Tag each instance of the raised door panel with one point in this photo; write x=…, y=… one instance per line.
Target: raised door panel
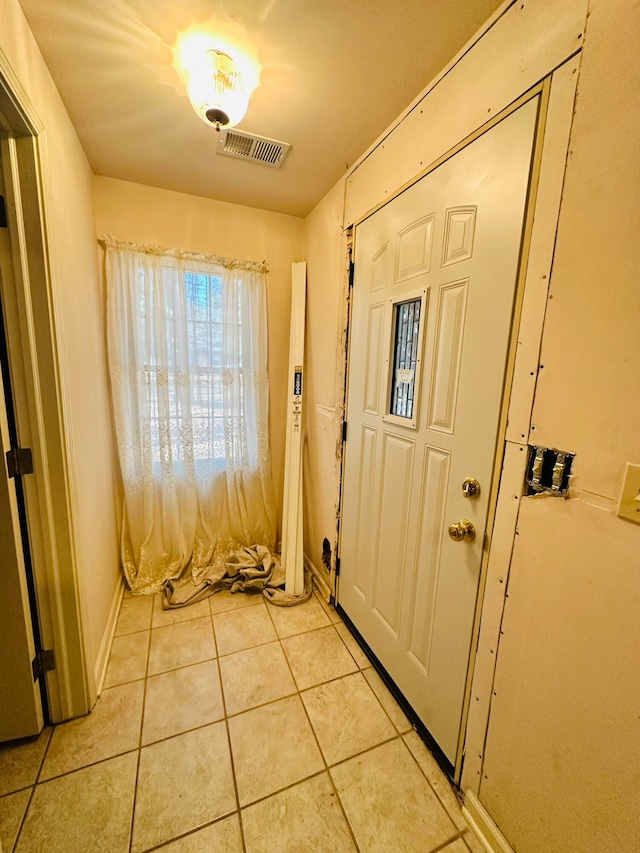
x=380, y=269
x=413, y=253
x=433, y=499
x=391, y=522
x=374, y=359
x=362, y=579
x=458, y=235
x=448, y=353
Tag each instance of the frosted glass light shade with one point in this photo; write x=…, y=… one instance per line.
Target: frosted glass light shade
x=216, y=90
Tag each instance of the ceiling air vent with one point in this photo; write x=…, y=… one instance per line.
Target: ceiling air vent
x=248, y=146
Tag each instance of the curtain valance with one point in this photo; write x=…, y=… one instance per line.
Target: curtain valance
x=180, y=254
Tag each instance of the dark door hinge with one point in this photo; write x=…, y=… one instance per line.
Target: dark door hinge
x=3, y=213
x=337, y=566
x=352, y=273
x=19, y=461
x=344, y=430
x=44, y=661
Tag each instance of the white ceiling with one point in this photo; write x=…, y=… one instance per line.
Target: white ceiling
x=335, y=73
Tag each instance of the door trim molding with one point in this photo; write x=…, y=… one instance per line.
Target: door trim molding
x=527, y=96
x=104, y=652
x=317, y=578
x=42, y=404
x=508, y=388
x=483, y=826
x=520, y=385
x=507, y=57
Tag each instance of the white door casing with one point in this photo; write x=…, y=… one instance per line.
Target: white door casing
x=20, y=702
x=31, y=293
x=452, y=240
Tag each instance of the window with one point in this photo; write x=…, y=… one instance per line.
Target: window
x=187, y=344
x=187, y=375
x=405, y=357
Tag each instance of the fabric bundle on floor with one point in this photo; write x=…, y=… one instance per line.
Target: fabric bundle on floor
x=253, y=568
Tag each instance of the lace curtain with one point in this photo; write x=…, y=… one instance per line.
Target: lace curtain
x=187, y=343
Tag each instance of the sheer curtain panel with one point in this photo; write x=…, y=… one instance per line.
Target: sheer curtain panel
x=187, y=343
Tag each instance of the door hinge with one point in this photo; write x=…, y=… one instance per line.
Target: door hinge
x=352, y=273
x=19, y=461
x=3, y=213
x=337, y=566
x=44, y=661
x=344, y=431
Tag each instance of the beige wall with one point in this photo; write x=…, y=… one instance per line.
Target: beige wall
x=143, y=214
x=562, y=765
x=79, y=330
x=563, y=754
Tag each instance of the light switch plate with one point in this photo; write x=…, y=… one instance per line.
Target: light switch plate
x=629, y=506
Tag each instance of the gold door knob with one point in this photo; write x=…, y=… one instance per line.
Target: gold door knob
x=462, y=530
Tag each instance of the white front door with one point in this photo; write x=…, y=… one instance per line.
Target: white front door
x=433, y=298
x=20, y=701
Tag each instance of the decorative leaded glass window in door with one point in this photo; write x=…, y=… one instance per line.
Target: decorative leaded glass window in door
x=405, y=358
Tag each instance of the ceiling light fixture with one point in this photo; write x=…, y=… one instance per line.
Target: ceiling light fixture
x=216, y=89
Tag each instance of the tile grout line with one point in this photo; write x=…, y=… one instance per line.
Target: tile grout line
x=74, y=770
x=329, y=680
x=226, y=725
x=190, y=663
x=173, y=669
x=402, y=735
x=326, y=607
x=260, y=599
x=429, y=783
x=322, y=756
x=466, y=843
x=288, y=787
x=247, y=648
x=364, y=751
x=188, y=833
x=380, y=702
x=33, y=791
x=176, y=624
x=87, y=766
x=204, y=726
x=443, y=846
x=143, y=597
x=399, y=735
x=107, y=686
x=139, y=749
x=295, y=692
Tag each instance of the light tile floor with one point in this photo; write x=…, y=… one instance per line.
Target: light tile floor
x=231, y=725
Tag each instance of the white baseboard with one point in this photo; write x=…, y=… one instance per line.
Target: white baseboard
x=107, y=638
x=483, y=826
x=318, y=578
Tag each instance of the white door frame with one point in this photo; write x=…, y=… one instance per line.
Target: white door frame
x=30, y=299
x=518, y=431
x=552, y=142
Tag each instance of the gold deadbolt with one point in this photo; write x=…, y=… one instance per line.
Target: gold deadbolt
x=471, y=488
x=462, y=530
